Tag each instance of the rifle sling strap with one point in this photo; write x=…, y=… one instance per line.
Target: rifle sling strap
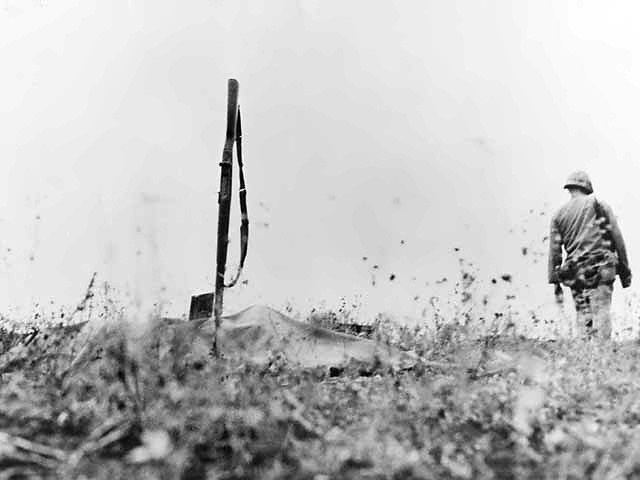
x=244, y=224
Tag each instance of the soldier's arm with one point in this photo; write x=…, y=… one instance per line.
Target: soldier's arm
x=555, y=252
x=620, y=248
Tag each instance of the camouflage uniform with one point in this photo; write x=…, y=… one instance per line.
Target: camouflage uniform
x=595, y=253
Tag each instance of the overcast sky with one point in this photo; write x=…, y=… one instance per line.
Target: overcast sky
x=394, y=132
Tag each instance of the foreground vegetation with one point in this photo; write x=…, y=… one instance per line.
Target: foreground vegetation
x=493, y=407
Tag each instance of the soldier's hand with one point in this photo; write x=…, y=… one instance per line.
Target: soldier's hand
x=626, y=281
x=558, y=293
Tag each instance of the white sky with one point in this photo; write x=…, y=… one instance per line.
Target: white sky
x=440, y=123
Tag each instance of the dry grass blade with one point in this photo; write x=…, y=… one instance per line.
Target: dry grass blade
x=87, y=297
x=106, y=434
x=296, y=416
x=436, y=364
x=21, y=450
x=112, y=437
x=496, y=371
x=107, y=427
x=19, y=472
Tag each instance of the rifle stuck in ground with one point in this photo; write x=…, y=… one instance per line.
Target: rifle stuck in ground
x=233, y=137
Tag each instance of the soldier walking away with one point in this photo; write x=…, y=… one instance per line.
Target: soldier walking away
x=594, y=253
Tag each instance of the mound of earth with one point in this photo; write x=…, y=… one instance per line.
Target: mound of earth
x=257, y=334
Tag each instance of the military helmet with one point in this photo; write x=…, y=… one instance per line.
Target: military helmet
x=579, y=179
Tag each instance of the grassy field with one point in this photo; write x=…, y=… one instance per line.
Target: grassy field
x=492, y=407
